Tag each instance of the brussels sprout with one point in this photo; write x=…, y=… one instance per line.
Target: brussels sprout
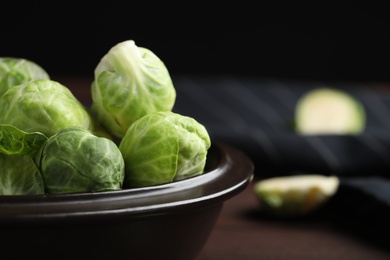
x=329, y=111
x=44, y=106
x=19, y=175
x=296, y=195
x=74, y=160
x=162, y=147
x=16, y=71
x=130, y=82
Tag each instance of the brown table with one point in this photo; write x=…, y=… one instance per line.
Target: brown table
x=242, y=234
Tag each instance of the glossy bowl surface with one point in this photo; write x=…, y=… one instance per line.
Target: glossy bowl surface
x=170, y=221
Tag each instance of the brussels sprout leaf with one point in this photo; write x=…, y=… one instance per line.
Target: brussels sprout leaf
x=16, y=141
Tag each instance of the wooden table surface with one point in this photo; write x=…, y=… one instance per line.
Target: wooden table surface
x=241, y=233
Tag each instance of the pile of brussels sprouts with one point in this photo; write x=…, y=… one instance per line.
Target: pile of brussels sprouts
x=50, y=143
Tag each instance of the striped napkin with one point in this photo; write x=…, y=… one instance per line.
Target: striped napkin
x=256, y=115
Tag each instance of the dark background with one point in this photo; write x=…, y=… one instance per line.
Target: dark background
x=323, y=40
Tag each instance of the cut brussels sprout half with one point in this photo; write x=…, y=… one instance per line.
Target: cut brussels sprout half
x=162, y=147
x=329, y=111
x=295, y=195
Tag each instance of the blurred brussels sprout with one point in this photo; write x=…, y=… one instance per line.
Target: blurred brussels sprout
x=19, y=175
x=44, y=106
x=327, y=110
x=162, y=147
x=74, y=160
x=16, y=71
x=130, y=82
x=296, y=195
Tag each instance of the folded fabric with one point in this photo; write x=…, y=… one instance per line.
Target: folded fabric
x=256, y=115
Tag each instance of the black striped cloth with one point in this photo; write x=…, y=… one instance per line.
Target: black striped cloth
x=256, y=115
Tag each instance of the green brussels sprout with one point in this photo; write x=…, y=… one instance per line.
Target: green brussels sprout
x=130, y=82
x=296, y=195
x=16, y=71
x=44, y=106
x=329, y=111
x=74, y=160
x=162, y=147
x=19, y=175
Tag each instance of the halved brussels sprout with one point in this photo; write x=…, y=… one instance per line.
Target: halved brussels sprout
x=296, y=195
x=44, y=106
x=329, y=111
x=74, y=160
x=130, y=82
x=162, y=147
x=15, y=71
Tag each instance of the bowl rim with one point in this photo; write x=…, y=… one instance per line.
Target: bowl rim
x=231, y=174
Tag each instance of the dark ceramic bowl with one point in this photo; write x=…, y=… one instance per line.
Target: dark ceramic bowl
x=170, y=221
